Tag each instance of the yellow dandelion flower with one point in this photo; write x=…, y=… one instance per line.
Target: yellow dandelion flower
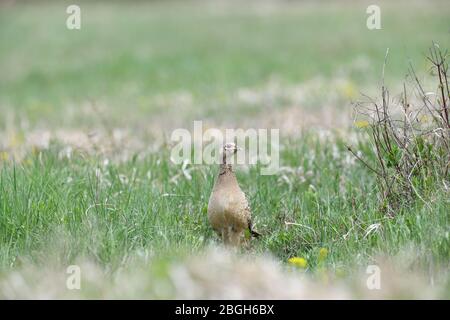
x=298, y=262
x=35, y=150
x=348, y=90
x=4, y=156
x=27, y=162
x=323, y=253
x=424, y=118
x=361, y=123
x=16, y=140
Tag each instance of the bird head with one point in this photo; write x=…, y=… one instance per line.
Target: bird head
x=230, y=148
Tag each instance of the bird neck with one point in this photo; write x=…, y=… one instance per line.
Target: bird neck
x=225, y=166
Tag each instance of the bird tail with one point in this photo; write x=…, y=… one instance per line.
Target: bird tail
x=254, y=233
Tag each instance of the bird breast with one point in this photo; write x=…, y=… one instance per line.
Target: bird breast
x=226, y=208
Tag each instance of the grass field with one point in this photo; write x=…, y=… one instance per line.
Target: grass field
x=85, y=175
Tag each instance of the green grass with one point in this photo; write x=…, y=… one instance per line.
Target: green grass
x=108, y=212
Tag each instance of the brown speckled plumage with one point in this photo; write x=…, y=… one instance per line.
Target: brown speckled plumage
x=228, y=209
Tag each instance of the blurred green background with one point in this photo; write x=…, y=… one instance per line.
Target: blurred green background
x=127, y=53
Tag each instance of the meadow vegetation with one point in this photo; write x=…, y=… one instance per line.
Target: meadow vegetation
x=85, y=170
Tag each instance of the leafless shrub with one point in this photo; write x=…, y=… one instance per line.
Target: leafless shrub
x=410, y=135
